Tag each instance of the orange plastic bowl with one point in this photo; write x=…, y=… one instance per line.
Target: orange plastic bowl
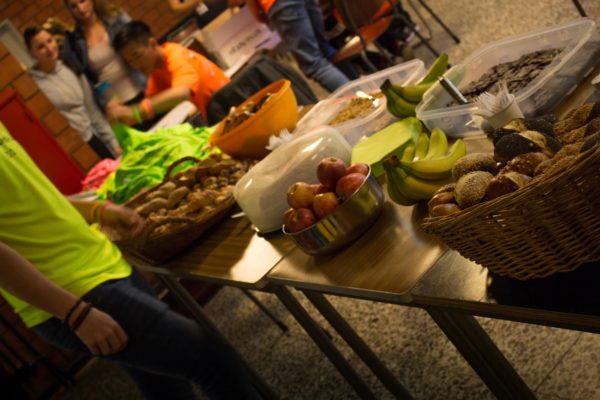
x=248, y=140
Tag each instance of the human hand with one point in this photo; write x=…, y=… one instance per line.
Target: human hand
x=124, y=220
x=117, y=112
x=101, y=334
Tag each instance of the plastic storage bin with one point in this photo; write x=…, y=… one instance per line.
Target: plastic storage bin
x=354, y=129
x=580, y=42
x=262, y=192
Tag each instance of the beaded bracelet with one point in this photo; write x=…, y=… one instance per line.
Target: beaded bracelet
x=94, y=211
x=71, y=310
x=146, y=105
x=81, y=317
x=136, y=114
x=102, y=208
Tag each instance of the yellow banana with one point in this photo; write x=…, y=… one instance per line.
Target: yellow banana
x=436, y=168
x=409, y=153
x=422, y=146
x=405, y=187
x=396, y=105
x=438, y=144
x=436, y=70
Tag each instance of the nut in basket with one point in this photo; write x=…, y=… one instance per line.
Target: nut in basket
x=182, y=207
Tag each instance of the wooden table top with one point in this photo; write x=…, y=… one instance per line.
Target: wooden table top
x=384, y=263
x=232, y=254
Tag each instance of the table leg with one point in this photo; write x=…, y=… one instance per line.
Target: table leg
x=265, y=310
x=481, y=353
x=320, y=338
x=198, y=314
x=357, y=344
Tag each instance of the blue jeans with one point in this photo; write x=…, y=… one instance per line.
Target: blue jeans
x=300, y=26
x=166, y=352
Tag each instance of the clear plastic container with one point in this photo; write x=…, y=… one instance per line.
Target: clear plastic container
x=262, y=192
x=354, y=129
x=580, y=42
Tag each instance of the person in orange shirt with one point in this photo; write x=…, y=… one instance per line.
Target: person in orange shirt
x=175, y=73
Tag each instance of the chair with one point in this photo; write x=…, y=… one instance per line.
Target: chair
x=363, y=21
x=369, y=20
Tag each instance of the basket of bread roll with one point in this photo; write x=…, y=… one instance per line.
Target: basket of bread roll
x=531, y=208
x=183, y=207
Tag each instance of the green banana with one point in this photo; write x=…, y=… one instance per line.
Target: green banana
x=396, y=105
x=436, y=168
x=405, y=187
x=422, y=146
x=438, y=144
x=436, y=70
x=412, y=93
x=394, y=186
x=409, y=153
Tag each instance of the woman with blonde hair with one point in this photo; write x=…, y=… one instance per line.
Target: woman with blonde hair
x=88, y=49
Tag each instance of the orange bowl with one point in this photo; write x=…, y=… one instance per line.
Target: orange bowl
x=248, y=139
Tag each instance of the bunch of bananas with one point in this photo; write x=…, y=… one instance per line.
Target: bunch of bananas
x=402, y=100
x=422, y=168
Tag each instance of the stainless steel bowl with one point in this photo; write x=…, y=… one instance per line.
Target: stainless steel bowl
x=350, y=220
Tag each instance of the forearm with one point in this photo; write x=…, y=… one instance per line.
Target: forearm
x=84, y=207
x=21, y=279
x=166, y=100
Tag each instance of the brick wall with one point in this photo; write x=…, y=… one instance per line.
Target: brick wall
x=25, y=12
x=13, y=76
x=155, y=13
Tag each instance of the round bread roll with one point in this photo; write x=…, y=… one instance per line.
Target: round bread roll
x=474, y=162
x=525, y=163
x=440, y=198
x=442, y=210
x=506, y=183
x=471, y=188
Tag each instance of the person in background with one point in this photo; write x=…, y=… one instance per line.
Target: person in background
x=71, y=285
x=204, y=11
x=88, y=49
x=175, y=73
x=300, y=26
x=70, y=94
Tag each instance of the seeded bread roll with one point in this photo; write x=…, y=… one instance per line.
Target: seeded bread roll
x=525, y=163
x=471, y=188
x=474, y=162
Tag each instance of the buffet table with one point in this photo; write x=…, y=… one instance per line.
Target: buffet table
x=393, y=262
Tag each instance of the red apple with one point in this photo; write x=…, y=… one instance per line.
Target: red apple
x=300, y=219
x=287, y=215
x=361, y=168
x=300, y=195
x=329, y=170
x=348, y=184
x=319, y=188
x=324, y=204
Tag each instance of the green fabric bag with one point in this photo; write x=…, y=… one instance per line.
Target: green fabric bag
x=147, y=156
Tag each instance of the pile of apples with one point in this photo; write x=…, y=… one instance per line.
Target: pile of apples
x=311, y=202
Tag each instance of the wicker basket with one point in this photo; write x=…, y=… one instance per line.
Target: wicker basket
x=156, y=248
x=549, y=226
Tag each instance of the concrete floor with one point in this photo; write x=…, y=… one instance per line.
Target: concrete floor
x=556, y=364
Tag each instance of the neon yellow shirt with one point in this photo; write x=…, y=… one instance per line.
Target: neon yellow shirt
x=39, y=223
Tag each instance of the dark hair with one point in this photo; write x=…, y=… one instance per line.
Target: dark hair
x=31, y=32
x=134, y=31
